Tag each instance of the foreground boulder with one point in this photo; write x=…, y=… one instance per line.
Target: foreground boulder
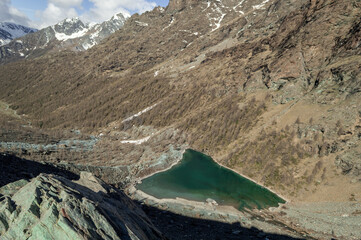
x=53, y=207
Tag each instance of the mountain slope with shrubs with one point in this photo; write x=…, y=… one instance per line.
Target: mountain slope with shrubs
x=268, y=88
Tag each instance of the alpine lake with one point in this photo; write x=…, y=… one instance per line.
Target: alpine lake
x=198, y=177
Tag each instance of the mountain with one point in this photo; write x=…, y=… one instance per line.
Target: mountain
x=71, y=34
x=270, y=89
x=10, y=31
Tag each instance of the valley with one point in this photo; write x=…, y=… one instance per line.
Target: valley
x=268, y=89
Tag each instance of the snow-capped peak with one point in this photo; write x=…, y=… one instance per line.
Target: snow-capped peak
x=70, y=28
x=10, y=31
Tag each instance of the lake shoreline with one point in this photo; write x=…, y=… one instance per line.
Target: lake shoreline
x=139, y=180
x=254, y=181
x=200, y=169
x=190, y=208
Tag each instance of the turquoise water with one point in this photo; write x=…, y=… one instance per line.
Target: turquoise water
x=197, y=177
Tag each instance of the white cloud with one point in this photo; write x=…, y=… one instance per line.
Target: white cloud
x=67, y=3
x=55, y=13
x=58, y=10
x=104, y=9
x=10, y=14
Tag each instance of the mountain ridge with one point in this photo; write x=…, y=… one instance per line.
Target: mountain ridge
x=10, y=31
x=69, y=34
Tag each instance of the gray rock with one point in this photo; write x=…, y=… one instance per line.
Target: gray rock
x=13, y=187
x=52, y=207
x=350, y=162
x=211, y=201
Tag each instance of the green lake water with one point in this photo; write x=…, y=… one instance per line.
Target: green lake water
x=197, y=177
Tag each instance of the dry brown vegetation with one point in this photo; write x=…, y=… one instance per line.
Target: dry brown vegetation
x=283, y=52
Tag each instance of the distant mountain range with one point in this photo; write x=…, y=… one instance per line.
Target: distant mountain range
x=10, y=31
x=71, y=34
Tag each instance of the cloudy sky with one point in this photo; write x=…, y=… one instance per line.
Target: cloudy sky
x=42, y=13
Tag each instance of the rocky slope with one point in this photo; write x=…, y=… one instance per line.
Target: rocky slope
x=10, y=31
x=71, y=34
x=52, y=207
x=268, y=88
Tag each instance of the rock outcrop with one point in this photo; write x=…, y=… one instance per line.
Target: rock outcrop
x=350, y=162
x=53, y=207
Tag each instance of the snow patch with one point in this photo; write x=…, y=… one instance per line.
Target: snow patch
x=142, y=24
x=64, y=37
x=136, y=142
x=259, y=6
x=239, y=5
x=215, y=22
x=208, y=5
x=170, y=24
x=4, y=41
x=86, y=46
x=156, y=73
x=139, y=113
x=116, y=17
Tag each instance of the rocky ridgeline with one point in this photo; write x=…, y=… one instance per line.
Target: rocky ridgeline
x=69, y=34
x=10, y=31
x=53, y=207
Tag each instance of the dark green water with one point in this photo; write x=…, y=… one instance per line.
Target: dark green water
x=197, y=177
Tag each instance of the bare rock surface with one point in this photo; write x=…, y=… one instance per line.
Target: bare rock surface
x=52, y=207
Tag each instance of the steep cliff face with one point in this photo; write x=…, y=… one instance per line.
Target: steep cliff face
x=268, y=88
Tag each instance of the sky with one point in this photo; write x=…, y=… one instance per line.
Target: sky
x=43, y=13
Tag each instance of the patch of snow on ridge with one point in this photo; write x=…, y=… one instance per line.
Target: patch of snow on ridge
x=142, y=24
x=208, y=5
x=170, y=24
x=86, y=46
x=259, y=6
x=219, y=20
x=136, y=142
x=4, y=42
x=238, y=5
x=64, y=37
x=139, y=113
